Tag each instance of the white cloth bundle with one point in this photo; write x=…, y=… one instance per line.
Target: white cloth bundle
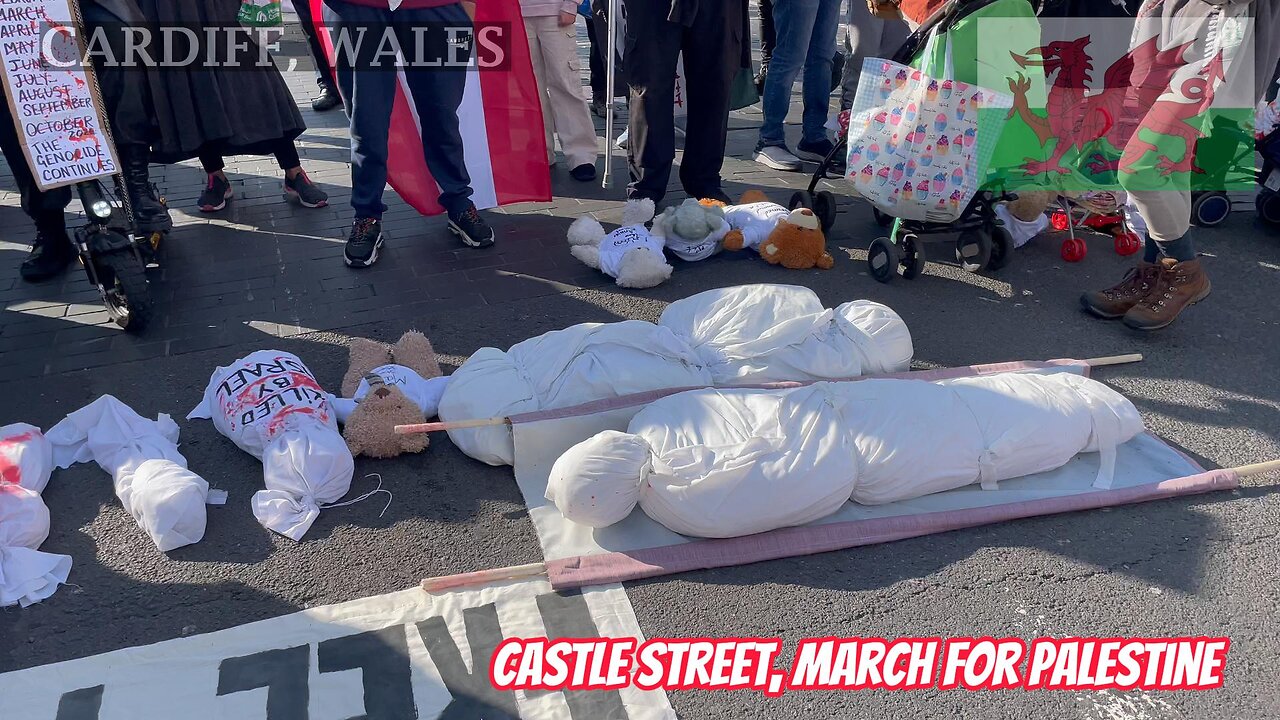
x=422, y=392
x=150, y=476
x=562, y=368
x=775, y=333
x=730, y=462
x=736, y=335
x=26, y=575
x=269, y=404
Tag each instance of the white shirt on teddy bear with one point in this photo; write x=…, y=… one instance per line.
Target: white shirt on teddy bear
x=621, y=241
x=756, y=220
x=700, y=250
x=423, y=392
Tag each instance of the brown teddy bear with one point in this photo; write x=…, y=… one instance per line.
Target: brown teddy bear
x=388, y=386
x=792, y=239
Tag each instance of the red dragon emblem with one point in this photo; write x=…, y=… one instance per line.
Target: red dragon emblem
x=1079, y=119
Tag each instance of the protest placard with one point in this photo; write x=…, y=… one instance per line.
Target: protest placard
x=50, y=95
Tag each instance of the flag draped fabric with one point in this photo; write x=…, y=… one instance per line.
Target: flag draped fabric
x=500, y=118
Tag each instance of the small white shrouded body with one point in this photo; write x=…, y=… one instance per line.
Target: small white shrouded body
x=26, y=575
x=149, y=473
x=730, y=336
x=730, y=462
x=270, y=405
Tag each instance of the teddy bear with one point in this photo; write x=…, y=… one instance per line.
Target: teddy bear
x=790, y=238
x=385, y=386
x=632, y=255
x=694, y=229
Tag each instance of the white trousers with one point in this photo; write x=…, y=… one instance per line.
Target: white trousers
x=564, y=108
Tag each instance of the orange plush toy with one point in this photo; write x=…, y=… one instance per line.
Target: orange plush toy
x=791, y=239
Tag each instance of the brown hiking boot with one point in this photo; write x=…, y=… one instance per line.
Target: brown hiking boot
x=1115, y=301
x=1178, y=285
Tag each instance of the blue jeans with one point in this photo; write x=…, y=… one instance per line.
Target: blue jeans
x=806, y=38
x=370, y=93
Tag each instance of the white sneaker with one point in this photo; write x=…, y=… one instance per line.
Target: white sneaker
x=778, y=158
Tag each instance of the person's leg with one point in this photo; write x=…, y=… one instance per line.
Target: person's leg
x=562, y=85
x=129, y=104
x=768, y=33
x=817, y=73
x=868, y=36
x=217, y=188
x=51, y=251
x=652, y=49
x=599, y=87
x=437, y=95
x=369, y=93
x=297, y=186
x=712, y=57
x=532, y=29
x=307, y=23
x=794, y=20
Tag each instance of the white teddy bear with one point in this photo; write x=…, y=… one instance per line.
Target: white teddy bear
x=631, y=254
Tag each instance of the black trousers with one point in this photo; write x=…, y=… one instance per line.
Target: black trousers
x=43, y=207
x=308, y=25
x=126, y=91
x=285, y=150
x=712, y=47
x=768, y=36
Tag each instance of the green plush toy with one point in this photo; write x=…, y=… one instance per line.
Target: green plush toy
x=693, y=230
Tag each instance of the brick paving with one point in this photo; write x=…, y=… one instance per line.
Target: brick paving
x=266, y=266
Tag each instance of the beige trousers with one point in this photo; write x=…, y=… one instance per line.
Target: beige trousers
x=564, y=109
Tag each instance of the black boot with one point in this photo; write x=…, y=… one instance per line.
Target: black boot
x=327, y=100
x=149, y=214
x=50, y=254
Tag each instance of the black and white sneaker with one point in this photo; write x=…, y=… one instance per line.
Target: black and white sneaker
x=307, y=193
x=217, y=191
x=471, y=228
x=363, y=244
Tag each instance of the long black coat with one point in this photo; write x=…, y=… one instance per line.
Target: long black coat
x=207, y=109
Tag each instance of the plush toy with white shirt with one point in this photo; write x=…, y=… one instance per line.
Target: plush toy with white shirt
x=632, y=255
x=790, y=238
x=389, y=385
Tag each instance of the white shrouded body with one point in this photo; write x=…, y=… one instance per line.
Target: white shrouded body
x=730, y=336
x=269, y=404
x=150, y=476
x=26, y=575
x=730, y=462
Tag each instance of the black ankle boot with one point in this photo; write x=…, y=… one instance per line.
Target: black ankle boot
x=50, y=253
x=149, y=214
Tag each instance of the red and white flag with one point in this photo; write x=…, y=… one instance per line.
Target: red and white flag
x=500, y=119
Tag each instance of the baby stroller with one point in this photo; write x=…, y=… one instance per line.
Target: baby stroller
x=981, y=242
x=1268, y=200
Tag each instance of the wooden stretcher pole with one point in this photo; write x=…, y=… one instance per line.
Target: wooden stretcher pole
x=1257, y=468
x=483, y=577
x=1114, y=360
x=456, y=425
x=490, y=422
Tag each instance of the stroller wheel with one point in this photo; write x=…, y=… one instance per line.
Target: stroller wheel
x=973, y=249
x=882, y=259
x=824, y=206
x=1268, y=205
x=1001, y=248
x=1210, y=209
x=913, y=257
x=802, y=199
x=882, y=219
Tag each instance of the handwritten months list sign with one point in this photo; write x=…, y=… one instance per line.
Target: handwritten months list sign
x=50, y=95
